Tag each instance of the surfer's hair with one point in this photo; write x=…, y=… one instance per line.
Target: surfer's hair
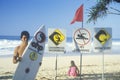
x=26, y=33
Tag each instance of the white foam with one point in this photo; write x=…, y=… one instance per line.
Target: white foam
x=7, y=46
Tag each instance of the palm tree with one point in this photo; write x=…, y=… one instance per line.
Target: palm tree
x=101, y=10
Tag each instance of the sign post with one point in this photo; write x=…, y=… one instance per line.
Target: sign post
x=56, y=43
x=102, y=42
x=82, y=40
x=56, y=68
x=103, y=66
x=80, y=65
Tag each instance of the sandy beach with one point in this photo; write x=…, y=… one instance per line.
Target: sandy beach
x=91, y=64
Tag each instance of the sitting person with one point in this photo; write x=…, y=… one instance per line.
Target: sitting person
x=20, y=49
x=73, y=70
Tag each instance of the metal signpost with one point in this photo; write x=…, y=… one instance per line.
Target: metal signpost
x=102, y=43
x=82, y=40
x=56, y=43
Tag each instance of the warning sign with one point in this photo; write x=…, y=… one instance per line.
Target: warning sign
x=82, y=36
x=82, y=40
x=57, y=37
x=102, y=36
x=56, y=40
x=102, y=39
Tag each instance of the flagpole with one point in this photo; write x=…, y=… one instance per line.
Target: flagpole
x=81, y=57
x=80, y=65
x=79, y=17
x=82, y=24
x=81, y=60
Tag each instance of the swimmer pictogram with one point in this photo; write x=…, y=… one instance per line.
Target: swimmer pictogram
x=82, y=36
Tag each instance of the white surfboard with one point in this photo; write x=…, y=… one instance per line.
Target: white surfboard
x=32, y=58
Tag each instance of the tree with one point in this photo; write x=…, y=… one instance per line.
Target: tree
x=101, y=9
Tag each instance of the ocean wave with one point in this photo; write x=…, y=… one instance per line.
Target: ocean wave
x=7, y=46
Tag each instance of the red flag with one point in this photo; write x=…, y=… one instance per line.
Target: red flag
x=78, y=15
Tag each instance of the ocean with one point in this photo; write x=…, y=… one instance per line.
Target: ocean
x=8, y=43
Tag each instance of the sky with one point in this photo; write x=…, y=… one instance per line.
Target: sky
x=19, y=15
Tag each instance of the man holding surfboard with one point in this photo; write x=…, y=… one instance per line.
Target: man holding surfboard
x=20, y=49
x=33, y=54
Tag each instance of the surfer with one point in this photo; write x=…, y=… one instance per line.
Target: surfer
x=20, y=49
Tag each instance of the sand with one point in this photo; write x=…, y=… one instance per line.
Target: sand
x=91, y=64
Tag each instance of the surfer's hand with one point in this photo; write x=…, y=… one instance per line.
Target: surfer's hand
x=15, y=60
x=19, y=59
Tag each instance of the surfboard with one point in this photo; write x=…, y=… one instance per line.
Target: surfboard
x=32, y=58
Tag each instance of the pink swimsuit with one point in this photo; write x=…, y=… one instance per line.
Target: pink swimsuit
x=72, y=71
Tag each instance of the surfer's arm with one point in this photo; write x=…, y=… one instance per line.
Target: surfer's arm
x=15, y=55
x=16, y=51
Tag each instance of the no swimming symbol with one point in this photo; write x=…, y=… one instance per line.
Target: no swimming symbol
x=82, y=36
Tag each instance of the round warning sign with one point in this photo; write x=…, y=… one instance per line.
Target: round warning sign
x=82, y=36
x=40, y=37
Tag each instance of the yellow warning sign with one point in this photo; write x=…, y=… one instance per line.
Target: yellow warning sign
x=57, y=37
x=102, y=36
